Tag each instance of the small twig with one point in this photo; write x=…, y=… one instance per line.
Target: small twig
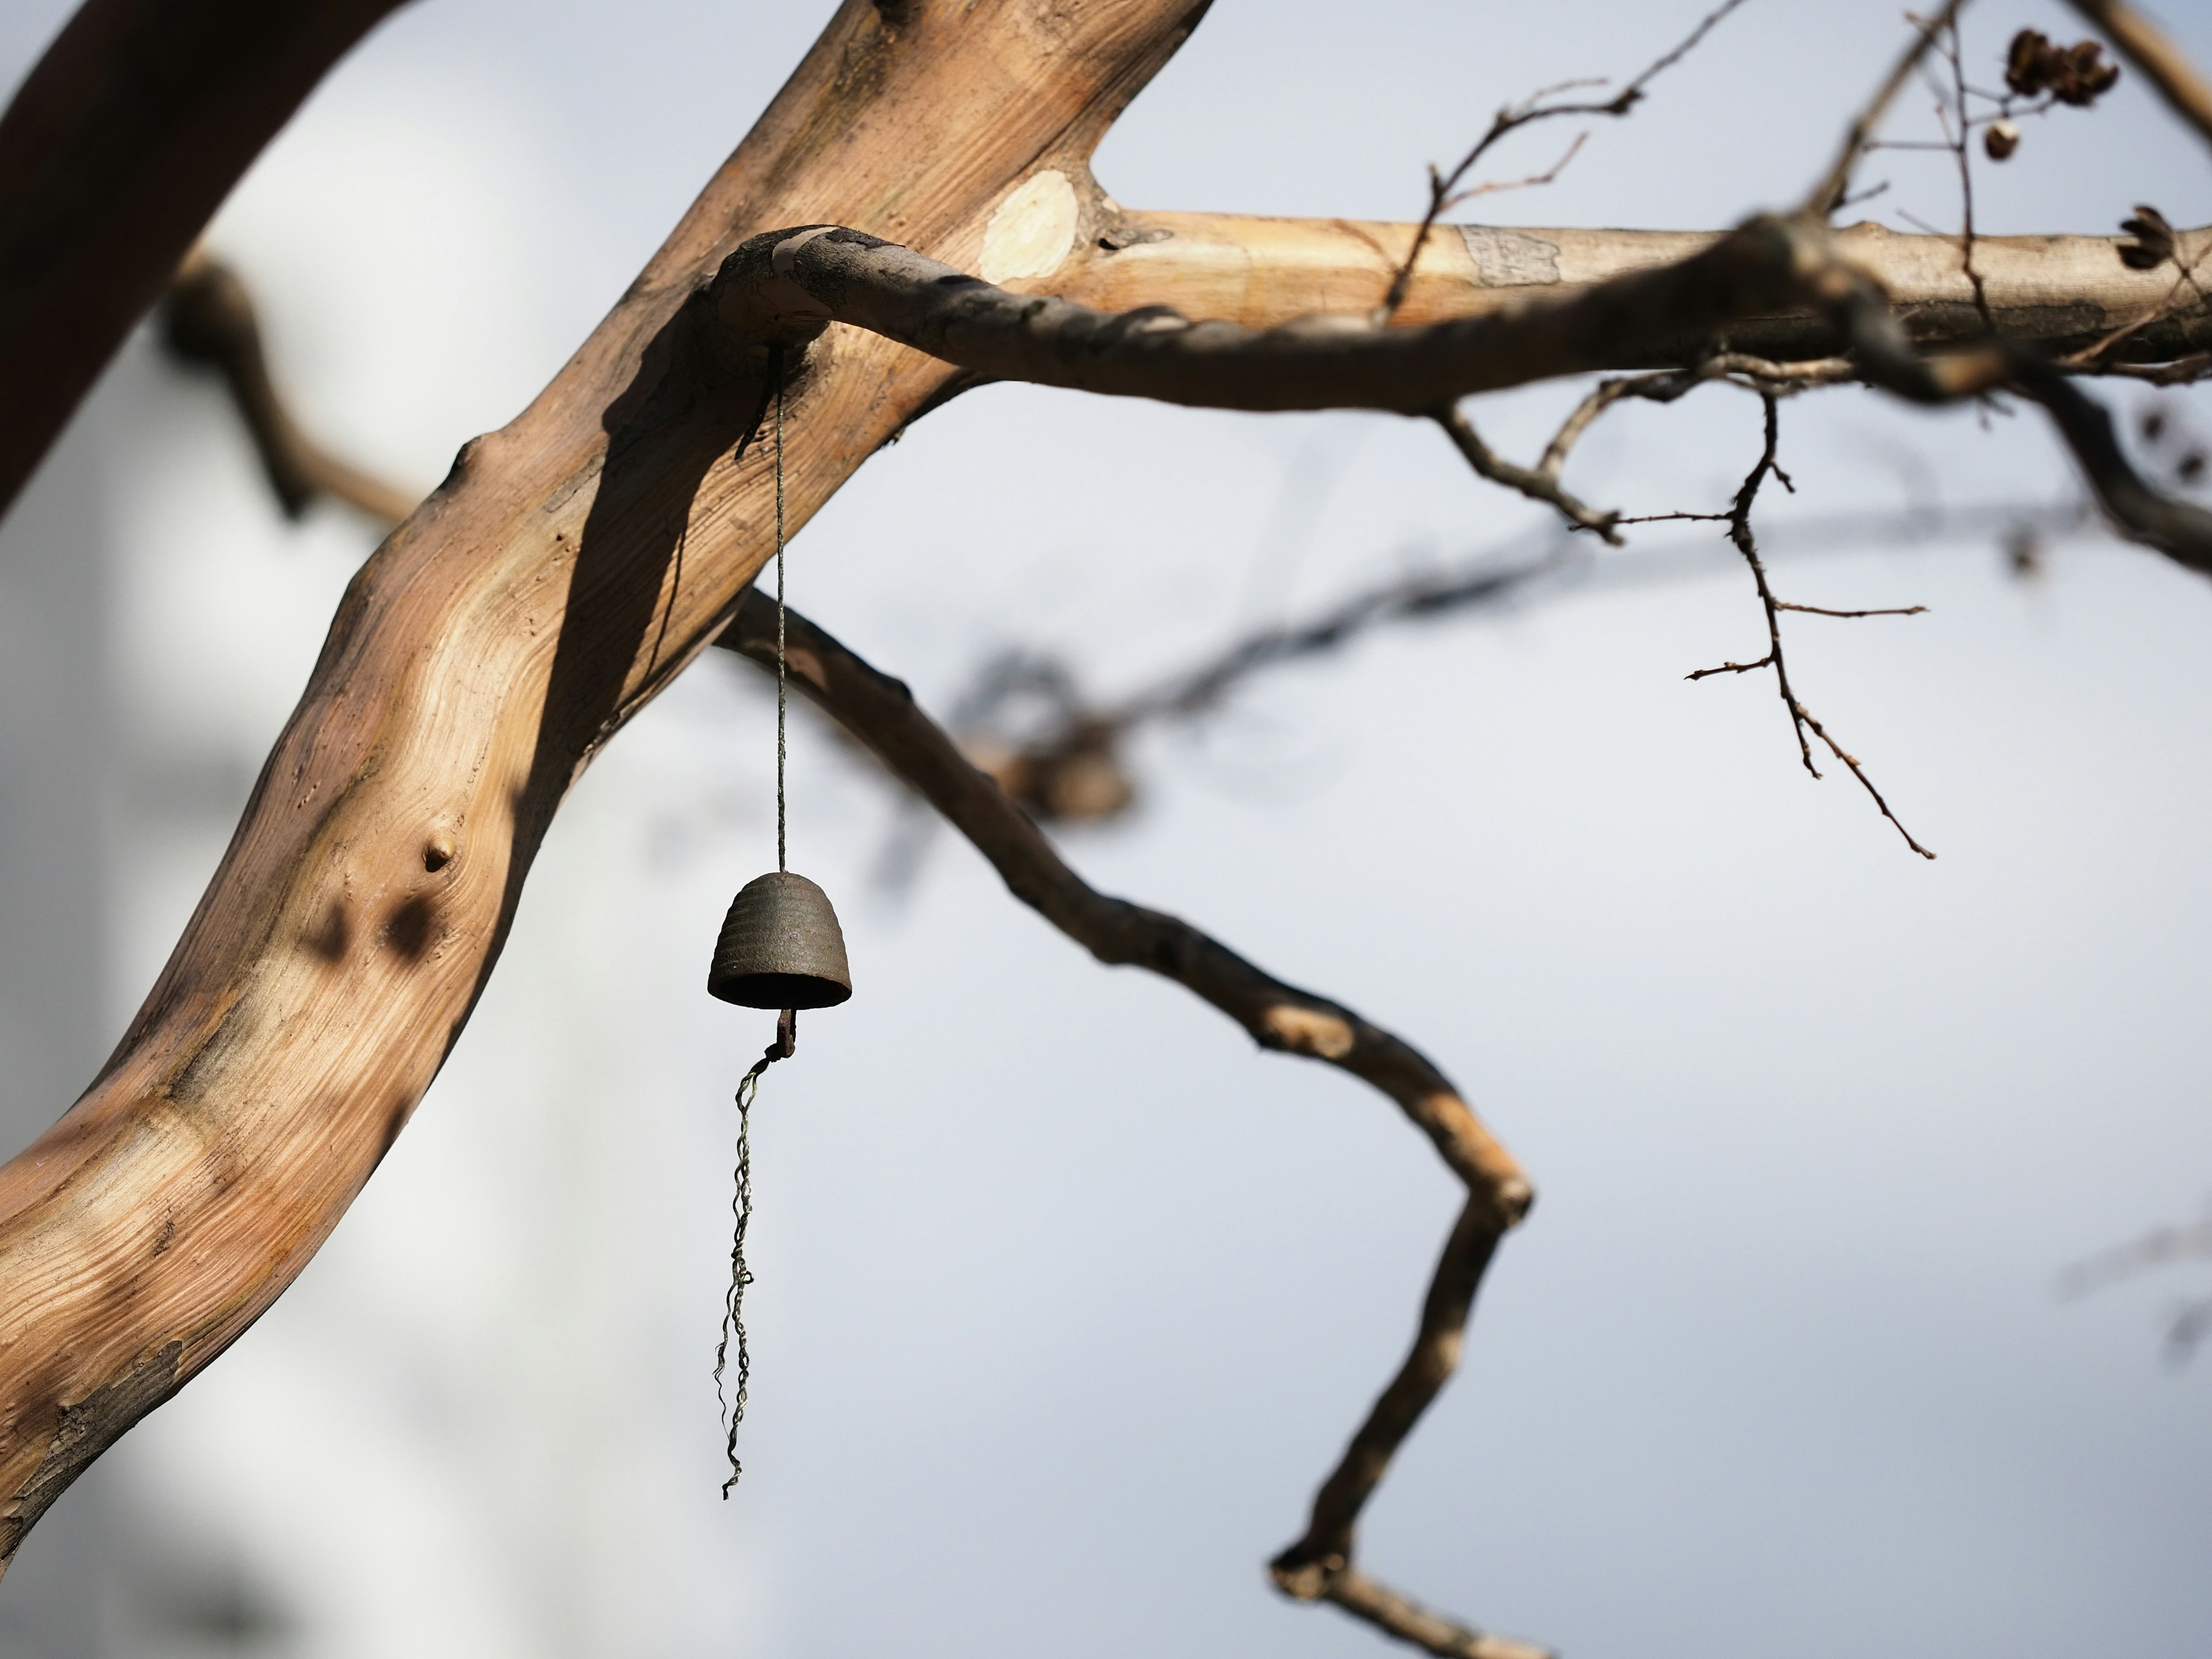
x=1954, y=50
x=1836, y=183
x=1444, y=187
x=1496, y=187
x=1802, y=719
x=1665, y=385
x=2182, y=371
x=1538, y=485
x=1822, y=610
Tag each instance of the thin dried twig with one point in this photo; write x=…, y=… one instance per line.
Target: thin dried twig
x=1952, y=50
x=1836, y=183
x=1802, y=719
x=881, y=713
x=1444, y=187
x=1540, y=484
x=1665, y=385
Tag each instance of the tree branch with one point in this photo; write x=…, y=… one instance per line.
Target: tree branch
x=2061, y=292
x=882, y=715
x=2154, y=51
x=571, y=565
x=113, y=154
x=207, y=318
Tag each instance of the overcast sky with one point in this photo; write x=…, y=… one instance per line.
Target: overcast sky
x=1067, y=1297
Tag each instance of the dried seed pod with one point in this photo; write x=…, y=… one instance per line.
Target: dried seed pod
x=2077, y=74
x=2154, y=240
x=2024, y=62
x=2000, y=139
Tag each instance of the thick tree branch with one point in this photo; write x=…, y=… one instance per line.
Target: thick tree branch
x=882, y=715
x=2061, y=292
x=790, y=285
x=113, y=155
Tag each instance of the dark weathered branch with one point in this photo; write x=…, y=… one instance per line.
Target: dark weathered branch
x=883, y=715
x=791, y=284
x=113, y=155
x=207, y=317
x=1538, y=484
x=2154, y=51
x=1802, y=719
x=2180, y=530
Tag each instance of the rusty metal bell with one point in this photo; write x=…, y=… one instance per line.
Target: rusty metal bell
x=781, y=947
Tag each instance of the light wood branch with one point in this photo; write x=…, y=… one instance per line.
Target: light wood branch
x=2151, y=50
x=2061, y=292
x=113, y=154
x=880, y=712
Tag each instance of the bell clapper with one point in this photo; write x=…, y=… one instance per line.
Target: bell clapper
x=781, y=947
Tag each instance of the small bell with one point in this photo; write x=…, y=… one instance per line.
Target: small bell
x=781, y=947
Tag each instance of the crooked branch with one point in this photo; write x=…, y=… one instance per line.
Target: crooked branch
x=1802, y=719
x=208, y=319
x=881, y=713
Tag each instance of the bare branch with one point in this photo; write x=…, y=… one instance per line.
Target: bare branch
x=2064, y=292
x=1801, y=718
x=1540, y=485
x=207, y=317
x=789, y=285
x=882, y=715
x=1444, y=188
x=1836, y=183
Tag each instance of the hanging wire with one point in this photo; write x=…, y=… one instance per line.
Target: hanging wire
x=733, y=1301
x=781, y=816
x=786, y=1037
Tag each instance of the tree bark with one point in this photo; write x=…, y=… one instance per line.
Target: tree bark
x=2063, y=293
x=113, y=155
